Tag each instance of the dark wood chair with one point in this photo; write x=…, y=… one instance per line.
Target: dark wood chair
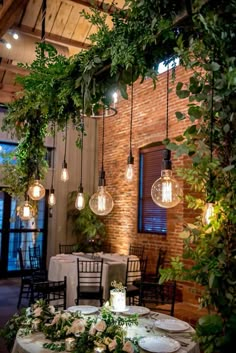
x=34, y=250
x=154, y=277
x=137, y=250
x=135, y=270
x=158, y=297
x=53, y=292
x=66, y=248
x=89, y=280
x=106, y=248
x=26, y=279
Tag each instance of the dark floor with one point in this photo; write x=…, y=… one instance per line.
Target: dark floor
x=9, y=291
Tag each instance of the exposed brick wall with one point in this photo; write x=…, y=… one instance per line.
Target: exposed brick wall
x=149, y=125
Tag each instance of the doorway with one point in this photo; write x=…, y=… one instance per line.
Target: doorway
x=15, y=233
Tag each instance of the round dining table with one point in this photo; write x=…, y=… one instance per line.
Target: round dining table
x=147, y=327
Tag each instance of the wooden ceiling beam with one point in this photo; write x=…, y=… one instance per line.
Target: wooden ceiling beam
x=53, y=38
x=13, y=68
x=9, y=12
x=100, y=5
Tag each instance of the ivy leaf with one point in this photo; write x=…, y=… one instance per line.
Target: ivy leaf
x=180, y=116
x=195, y=112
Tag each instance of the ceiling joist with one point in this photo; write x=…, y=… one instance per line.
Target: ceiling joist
x=10, y=10
x=13, y=68
x=100, y=5
x=53, y=38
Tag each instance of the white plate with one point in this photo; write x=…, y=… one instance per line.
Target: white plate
x=158, y=344
x=84, y=309
x=140, y=310
x=172, y=325
x=120, y=311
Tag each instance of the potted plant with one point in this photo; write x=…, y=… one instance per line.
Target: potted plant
x=86, y=226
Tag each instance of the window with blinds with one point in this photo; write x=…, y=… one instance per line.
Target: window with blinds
x=151, y=218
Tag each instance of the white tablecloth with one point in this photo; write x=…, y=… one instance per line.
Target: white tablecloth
x=66, y=265
x=34, y=343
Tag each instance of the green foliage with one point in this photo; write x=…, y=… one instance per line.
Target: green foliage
x=210, y=143
x=88, y=228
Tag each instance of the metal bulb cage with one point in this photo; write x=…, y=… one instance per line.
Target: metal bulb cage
x=166, y=191
x=26, y=211
x=101, y=202
x=36, y=191
x=97, y=111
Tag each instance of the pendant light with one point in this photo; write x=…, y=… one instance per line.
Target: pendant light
x=64, y=171
x=208, y=211
x=101, y=202
x=36, y=191
x=166, y=191
x=52, y=197
x=80, y=200
x=129, y=173
x=26, y=211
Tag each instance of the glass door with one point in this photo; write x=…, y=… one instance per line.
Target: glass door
x=15, y=233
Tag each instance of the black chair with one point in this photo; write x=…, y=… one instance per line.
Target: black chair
x=158, y=297
x=66, y=248
x=137, y=250
x=26, y=279
x=34, y=250
x=89, y=280
x=106, y=248
x=53, y=292
x=154, y=277
x=135, y=270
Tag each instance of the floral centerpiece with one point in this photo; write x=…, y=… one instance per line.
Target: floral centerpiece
x=106, y=330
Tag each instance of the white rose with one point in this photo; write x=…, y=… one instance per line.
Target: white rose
x=128, y=347
x=78, y=326
x=92, y=330
x=66, y=315
x=56, y=319
x=112, y=345
x=37, y=311
x=51, y=309
x=100, y=326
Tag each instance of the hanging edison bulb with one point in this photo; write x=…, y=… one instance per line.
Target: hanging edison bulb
x=208, y=213
x=52, y=198
x=64, y=172
x=129, y=173
x=80, y=200
x=36, y=191
x=101, y=202
x=166, y=191
x=26, y=211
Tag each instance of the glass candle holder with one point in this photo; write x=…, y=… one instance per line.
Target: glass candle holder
x=69, y=344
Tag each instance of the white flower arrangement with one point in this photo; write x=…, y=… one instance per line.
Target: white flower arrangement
x=105, y=330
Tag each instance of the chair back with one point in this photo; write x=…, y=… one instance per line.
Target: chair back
x=34, y=250
x=160, y=297
x=35, y=262
x=137, y=250
x=90, y=272
x=135, y=270
x=53, y=292
x=106, y=248
x=21, y=260
x=160, y=261
x=66, y=248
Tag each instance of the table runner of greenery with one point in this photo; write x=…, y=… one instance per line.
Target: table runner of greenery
x=106, y=330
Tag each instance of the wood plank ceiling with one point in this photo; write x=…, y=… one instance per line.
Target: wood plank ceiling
x=65, y=28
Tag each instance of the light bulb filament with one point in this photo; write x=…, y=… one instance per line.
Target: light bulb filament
x=101, y=202
x=129, y=172
x=167, y=191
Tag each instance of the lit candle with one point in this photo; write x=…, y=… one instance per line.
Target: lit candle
x=98, y=349
x=69, y=344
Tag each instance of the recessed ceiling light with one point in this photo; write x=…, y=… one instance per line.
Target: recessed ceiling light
x=8, y=45
x=15, y=35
